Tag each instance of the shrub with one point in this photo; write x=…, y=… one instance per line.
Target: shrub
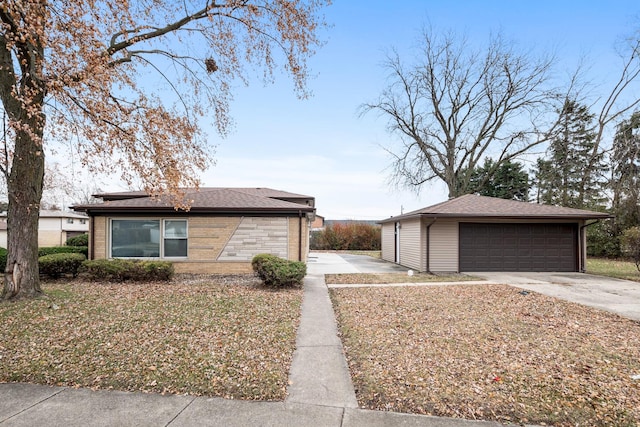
x=259, y=260
x=3, y=259
x=630, y=241
x=48, y=250
x=603, y=240
x=278, y=272
x=355, y=236
x=58, y=265
x=120, y=270
x=81, y=240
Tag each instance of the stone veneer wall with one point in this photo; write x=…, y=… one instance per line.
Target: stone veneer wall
x=257, y=235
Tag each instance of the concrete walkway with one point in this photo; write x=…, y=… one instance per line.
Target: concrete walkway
x=320, y=392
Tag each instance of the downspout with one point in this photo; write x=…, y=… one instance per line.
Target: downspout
x=583, y=248
x=429, y=244
x=92, y=228
x=299, y=235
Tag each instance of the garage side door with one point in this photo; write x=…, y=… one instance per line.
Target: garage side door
x=518, y=247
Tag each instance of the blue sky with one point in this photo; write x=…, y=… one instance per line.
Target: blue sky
x=323, y=148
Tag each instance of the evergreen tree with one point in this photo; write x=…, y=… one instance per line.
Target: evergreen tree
x=625, y=177
x=560, y=178
x=507, y=180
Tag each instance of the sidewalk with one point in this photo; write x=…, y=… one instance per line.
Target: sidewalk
x=320, y=391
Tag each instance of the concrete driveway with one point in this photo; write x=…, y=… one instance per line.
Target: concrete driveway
x=334, y=263
x=614, y=295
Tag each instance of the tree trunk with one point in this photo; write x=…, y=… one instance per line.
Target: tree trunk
x=23, y=95
x=22, y=278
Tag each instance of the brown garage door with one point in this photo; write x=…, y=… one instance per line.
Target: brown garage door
x=518, y=247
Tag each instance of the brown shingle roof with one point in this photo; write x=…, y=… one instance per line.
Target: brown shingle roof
x=205, y=200
x=471, y=205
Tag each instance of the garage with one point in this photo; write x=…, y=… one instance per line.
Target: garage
x=518, y=247
x=478, y=233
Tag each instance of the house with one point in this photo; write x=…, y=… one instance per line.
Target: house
x=477, y=233
x=220, y=233
x=318, y=223
x=54, y=227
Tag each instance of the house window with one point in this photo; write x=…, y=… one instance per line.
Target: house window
x=135, y=238
x=69, y=220
x=148, y=238
x=175, y=238
x=83, y=221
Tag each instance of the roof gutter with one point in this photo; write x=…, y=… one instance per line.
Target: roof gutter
x=171, y=211
x=472, y=217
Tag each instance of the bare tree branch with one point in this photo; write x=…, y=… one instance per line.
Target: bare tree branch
x=455, y=106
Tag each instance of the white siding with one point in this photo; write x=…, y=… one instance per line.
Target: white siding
x=443, y=246
x=411, y=247
x=388, y=241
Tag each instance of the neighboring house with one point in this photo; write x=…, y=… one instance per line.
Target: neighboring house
x=477, y=233
x=220, y=233
x=54, y=227
x=318, y=223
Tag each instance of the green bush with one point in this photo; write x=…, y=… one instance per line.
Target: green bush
x=630, y=241
x=3, y=259
x=278, y=272
x=49, y=250
x=603, y=240
x=81, y=240
x=46, y=251
x=120, y=270
x=260, y=259
x=58, y=265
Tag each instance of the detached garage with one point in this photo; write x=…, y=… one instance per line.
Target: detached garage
x=477, y=233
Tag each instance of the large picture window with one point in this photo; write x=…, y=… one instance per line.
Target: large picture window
x=148, y=238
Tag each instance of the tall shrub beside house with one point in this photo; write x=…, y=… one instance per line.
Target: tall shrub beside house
x=631, y=244
x=80, y=240
x=355, y=236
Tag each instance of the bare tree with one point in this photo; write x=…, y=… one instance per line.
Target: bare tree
x=615, y=106
x=456, y=105
x=130, y=83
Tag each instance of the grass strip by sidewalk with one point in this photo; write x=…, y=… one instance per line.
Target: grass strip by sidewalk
x=490, y=352
x=205, y=338
x=387, y=278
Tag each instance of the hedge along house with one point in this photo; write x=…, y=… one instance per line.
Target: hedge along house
x=220, y=233
x=476, y=233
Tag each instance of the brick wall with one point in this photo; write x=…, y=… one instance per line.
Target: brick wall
x=226, y=244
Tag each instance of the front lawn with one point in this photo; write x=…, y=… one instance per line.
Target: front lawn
x=490, y=352
x=225, y=337
x=619, y=269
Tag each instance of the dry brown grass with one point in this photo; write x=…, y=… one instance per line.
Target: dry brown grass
x=225, y=337
x=387, y=278
x=490, y=352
